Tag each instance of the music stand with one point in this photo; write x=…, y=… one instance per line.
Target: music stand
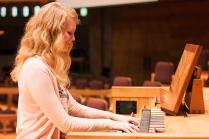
x=171, y=99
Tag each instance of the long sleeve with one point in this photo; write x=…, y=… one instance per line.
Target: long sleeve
x=40, y=87
x=80, y=110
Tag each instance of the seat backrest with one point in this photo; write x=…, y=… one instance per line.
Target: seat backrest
x=81, y=83
x=164, y=71
x=203, y=59
x=96, y=84
x=96, y=103
x=122, y=81
x=152, y=83
x=73, y=77
x=77, y=98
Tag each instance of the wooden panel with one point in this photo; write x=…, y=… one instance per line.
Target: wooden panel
x=144, y=96
x=172, y=99
x=132, y=92
x=206, y=99
x=196, y=104
x=191, y=127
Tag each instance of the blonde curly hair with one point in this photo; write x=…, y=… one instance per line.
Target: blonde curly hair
x=43, y=37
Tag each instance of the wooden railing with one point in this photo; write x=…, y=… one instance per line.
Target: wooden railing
x=7, y=117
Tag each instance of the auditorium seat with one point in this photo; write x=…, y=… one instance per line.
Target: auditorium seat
x=163, y=73
x=97, y=103
x=73, y=77
x=81, y=83
x=122, y=81
x=152, y=83
x=203, y=60
x=77, y=98
x=203, y=64
x=96, y=84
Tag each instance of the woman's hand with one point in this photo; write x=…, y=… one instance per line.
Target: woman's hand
x=124, y=126
x=127, y=119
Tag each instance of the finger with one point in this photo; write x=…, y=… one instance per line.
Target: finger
x=134, y=121
x=135, y=128
x=131, y=129
x=128, y=128
x=125, y=129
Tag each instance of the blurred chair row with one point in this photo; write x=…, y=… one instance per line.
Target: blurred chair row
x=89, y=101
x=88, y=81
x=100, y=83
x=99, y=103
x=161, y=76
x=82, y=83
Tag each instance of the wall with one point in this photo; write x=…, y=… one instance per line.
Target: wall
x=130, y=39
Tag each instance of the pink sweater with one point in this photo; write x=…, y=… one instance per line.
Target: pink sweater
x=40, y=112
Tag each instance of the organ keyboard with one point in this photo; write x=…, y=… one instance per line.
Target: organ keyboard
x=152, y=121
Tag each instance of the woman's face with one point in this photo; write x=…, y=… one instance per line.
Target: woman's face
x=68, y=32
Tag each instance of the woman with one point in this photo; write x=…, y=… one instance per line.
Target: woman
x=45, y=108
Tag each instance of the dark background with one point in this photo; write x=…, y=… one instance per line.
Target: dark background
x=123, y=40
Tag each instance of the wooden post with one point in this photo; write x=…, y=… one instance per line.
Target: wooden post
x=196, y=101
